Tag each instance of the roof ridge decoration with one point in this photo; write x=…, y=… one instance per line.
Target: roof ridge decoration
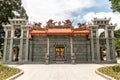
x=60, y=27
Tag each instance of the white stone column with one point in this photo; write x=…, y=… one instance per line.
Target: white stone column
x=30, y=54
x=47, y=55
x=21, y=46
x=98, y=46
x=108, y=50
x=106, y=31
x=107, y=44
x=11, y=45
x=5, y=45
x=112, y=33
x=113, y=45
x=48, y=44
x=27, y=44
x=71, y=44
x=92, y=46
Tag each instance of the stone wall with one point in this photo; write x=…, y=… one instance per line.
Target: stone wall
x=39, y=48
x=81, y=47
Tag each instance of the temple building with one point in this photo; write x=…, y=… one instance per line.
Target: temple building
x=59, y=42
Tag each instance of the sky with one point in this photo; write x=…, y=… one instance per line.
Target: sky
x=75, y=10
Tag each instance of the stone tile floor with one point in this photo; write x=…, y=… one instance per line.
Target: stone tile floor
x=60, y=71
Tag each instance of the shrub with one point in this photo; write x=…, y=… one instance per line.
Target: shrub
x=116, y=68
x=6, y=71
x=1, y=66
x=113, y=71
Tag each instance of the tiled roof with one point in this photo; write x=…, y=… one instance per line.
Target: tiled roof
x=82, y=32
x=37, y=32
x=58, y=31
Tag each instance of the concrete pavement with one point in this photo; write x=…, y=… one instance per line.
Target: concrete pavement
x=60, y=72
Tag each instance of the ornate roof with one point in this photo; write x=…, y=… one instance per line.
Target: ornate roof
x=65, y=29
x=57, y=31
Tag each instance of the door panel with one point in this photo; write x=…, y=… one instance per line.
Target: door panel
x=59, y=53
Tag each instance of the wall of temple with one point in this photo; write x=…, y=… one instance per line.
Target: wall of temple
x=81, y=47
x=39, y=48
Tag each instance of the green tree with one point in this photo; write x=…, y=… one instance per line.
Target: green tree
x=102, y=34
x=10, y=9
x=117, y=38
x=115, y=5
x=117, y=33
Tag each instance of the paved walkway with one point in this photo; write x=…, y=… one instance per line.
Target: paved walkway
x=60, y=72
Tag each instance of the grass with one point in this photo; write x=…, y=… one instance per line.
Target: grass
x=6, y=71
x=0, y=57
x=113, y=71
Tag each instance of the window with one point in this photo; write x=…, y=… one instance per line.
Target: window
x=98, y=22
x=94, y=33
x=20, y=22
x=101, y=22
x=24, y=33
x=9, y=34
x=16, y=22
x=109, y=33
x=104, y=22
x=101, y=32
x=17, y=33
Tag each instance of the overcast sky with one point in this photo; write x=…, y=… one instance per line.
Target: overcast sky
x=75, y=10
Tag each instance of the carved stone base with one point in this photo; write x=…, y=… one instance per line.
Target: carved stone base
x=73, y=61
x=46, y=61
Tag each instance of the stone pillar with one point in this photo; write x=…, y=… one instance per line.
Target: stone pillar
x=5, y=46
x=92, y=46
x=98, y=46
x=113, y=45
x=107, y=45
x=30, y=53
x=27, y=44
x=21, y=46
x=11, y=45
x=48, y=44
x=47, y=55
x=72, y=54
x=71, y=44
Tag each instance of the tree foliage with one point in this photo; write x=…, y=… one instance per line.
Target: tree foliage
x=10, y=9
x=117, y=38
x=102, y=34
x=115, y=5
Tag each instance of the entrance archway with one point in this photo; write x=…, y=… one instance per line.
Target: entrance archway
x=15, y=53
x=103, y=53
